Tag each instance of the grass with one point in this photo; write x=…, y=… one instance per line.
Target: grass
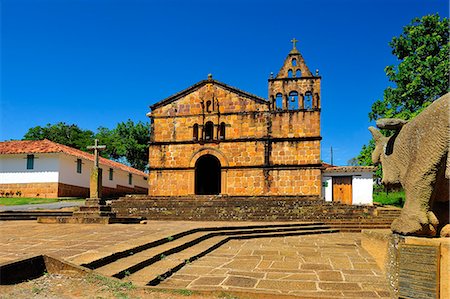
x=17, y=201
x=394, y=198
x=117, y=287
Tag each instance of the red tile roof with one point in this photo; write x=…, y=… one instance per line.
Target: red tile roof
x=47, y=146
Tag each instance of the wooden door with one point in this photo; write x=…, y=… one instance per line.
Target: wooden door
x=342, y=189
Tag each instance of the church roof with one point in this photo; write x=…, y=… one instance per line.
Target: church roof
x=47, y=146
x=196, y=86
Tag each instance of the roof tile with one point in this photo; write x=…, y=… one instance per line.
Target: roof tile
x=47, y=146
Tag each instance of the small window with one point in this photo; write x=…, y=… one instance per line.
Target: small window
x=293, y=100
x=111, y=174
x=195, y=132
x=130, y=179
x=290, y=74
x=222, y=131
x=294, y=62
x=308, y=100
x=30, y=161
x=79, y=163
x=208, y=106
x=209, y=129
x=279, y=101
x=298, y=73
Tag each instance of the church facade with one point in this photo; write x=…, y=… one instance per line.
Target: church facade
x=212, y=138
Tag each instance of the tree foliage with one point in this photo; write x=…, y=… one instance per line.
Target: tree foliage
x=420, y=77
x=126, y=143
x=70, y=135
x=422, y=74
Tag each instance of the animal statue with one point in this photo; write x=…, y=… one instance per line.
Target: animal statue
x=416, y=156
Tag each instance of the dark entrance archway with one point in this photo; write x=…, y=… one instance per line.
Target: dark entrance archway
x=207, y=175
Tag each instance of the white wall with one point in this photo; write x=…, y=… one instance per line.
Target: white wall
x=59, y=167
x=69, y=175
x=68, y=171
x=13, y=169
x=328, y=190
x=362, y=187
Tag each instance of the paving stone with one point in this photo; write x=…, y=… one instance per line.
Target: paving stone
x=383, y=294
x=307, y=266
x=357, y=272
x=317, y=294
x=242, y=264
x=285, y=285
x=330, y=276
x=359, y=266
x=193, y=270
x=365, y=278
x=360, y=294
x=247, y=274
x=372, y=286
x=285, y=265
x=301, y=276
x=240, y=281
x=219, y=271
x=184, y=277
x=265, y=264
x=339, y=286
x=175, y=283
x=266, y=252
x=208, y=281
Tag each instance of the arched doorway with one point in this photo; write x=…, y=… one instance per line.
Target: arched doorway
x=207, y=175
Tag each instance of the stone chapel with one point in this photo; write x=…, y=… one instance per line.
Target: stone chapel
x=212, y=138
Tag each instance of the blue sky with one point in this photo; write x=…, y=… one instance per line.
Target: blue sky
x=96, y=63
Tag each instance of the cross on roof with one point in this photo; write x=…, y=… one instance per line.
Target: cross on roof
x=294, y=41
x=96, y=149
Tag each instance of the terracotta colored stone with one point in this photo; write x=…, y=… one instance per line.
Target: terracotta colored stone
x=239, y=281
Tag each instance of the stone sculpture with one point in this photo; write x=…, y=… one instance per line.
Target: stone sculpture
x=416, y=156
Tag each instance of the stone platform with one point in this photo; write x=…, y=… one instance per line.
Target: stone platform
x=320, y=265
x=95, y=211
x=258, y=208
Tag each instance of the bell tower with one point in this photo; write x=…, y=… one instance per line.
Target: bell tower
x=294, y=87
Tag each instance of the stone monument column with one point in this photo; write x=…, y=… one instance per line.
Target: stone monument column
x=95, y=184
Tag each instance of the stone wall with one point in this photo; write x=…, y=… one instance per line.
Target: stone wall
x=43, y=190
x=55, y=190
x=65, y=190
x=261, y=152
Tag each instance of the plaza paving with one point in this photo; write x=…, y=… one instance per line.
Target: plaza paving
x=330, y=265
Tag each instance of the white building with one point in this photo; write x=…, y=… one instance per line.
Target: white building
x=348, y=184
x=47, y=169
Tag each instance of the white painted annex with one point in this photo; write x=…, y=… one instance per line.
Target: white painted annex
x=43, y=167
x=361, y=183
x=13, y=169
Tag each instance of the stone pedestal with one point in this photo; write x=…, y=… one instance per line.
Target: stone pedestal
x=95, y=184
x=416, y=267
x=95, y=211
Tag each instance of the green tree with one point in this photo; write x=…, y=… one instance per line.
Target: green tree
x=127, y=143
x=420, y=77
x=70, y=135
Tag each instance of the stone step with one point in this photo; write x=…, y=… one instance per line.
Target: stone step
x=31, y=215
x=88, y=220
x=155, y=273
x=95, y=208
x=123, y=254
x=93, y=214
x=142, y=259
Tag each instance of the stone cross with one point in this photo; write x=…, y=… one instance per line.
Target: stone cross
x=96, y=149
x=294, y=41
x=95, y=184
